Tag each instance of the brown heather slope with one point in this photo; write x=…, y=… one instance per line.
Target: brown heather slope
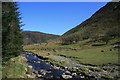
x=34, y=37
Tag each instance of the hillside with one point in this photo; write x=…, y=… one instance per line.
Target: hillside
x=103, y=23
x=92, y=47
x=33, y=37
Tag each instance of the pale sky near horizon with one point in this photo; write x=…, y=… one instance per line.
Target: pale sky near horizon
x=56, y=17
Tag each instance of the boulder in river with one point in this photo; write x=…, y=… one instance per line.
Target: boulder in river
x=82, y=76
x=74, y=74
x=30, y=67
x=67, y=72
x=38, y=75
x=31, y=76
x=66, y=76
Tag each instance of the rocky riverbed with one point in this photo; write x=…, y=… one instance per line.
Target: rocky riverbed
x=70, y=70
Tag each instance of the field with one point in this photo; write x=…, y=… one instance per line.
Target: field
x=84, y=52
x=98, y=58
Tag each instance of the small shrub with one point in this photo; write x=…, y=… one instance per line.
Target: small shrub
x=98, y=44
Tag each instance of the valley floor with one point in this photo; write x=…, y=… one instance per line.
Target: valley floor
x=95, y=58
x=86, y=59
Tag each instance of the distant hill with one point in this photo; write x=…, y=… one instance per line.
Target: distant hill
x=33, y=37
x=105, y=22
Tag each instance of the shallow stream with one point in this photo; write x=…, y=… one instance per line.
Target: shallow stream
x=44, y=69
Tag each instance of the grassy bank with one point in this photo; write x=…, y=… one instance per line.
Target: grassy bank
x=85, y=52
x=16, y=68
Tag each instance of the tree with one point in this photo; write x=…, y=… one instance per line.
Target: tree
x=11, y=32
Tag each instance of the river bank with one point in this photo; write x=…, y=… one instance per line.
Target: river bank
x=72, y=70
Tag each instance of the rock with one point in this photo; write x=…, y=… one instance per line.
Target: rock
x=49, y=72
x=34, y=61
x=67, y=72
x=57, y=67
x=61, y=69
x=50, y=76
x=66, y=76
x=89, y=70
x=33, y=75
x=30, y=76
x=21, y=76
x=74, y=67
x=26, y=69
x=38, y=62
x=30, y=67
x=39, y=75
x=74, y=74
x=66, y=67
x=42, y=72
x=82, y=76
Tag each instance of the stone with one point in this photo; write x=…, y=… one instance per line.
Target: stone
x=48, y=71
x=74, y=67
x=41, y=70
x=43, y=73
x=74, y=74
x=67, y=72
x=39, y=75
x=26, y=69
x=82, y=76
x=33, y=75
x=66, y=67
x=30, y=67
x=21, y=76
x=38, y=62
x=66, y=76
x=55, y=67
x=89, y=71
x=30, y=76
x=61, y=69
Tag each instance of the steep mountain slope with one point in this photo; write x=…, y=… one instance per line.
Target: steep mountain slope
x=33, y=37
x=103, y=23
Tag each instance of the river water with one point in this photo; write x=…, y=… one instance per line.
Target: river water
x=45, y=69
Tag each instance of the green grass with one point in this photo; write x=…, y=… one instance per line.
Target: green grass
x=83, y=52
x=15, y=68
x=92, y=56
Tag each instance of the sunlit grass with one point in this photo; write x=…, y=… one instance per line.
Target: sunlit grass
x=15, y=68
x=83, y=52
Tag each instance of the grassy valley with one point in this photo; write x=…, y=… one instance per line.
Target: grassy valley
x=85, y=52
x=94, y=42
x=90, y=42
x=93, y=55
x=88, y=51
